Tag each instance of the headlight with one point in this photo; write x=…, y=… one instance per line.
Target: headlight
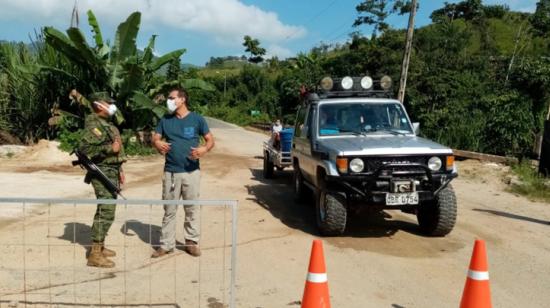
x=356, y=165
x=347, y=83
x=366, y=82
x=434, y=163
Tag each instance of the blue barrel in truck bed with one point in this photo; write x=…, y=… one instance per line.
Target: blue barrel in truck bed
x=286, y=139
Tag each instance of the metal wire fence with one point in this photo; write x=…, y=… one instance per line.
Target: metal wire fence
x=43, y=245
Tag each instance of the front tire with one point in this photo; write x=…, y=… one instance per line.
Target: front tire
x=438, y=217
x=268, y=167
x=331, y=212
x=300, y=189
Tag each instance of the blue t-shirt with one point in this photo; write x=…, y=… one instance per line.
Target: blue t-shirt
x=183, y=134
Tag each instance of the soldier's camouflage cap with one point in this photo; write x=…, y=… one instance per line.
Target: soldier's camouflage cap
x=102, y=96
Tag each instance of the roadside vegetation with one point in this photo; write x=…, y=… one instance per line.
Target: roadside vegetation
x=531, y=184
x=478, y=79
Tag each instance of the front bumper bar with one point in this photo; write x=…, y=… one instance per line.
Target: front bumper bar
x=372, y=187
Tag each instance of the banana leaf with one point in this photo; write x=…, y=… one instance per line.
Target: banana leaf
x=92, y=20
x=132, y=77
x=125, y=40
x=142, y=102
x=176, y=54
x=63, y=44
x=33, y=69
x=79, y=41
x=148, y=53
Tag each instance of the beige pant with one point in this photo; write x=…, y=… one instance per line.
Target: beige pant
x=184, y=185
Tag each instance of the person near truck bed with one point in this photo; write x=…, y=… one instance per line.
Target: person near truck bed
x=276, y=134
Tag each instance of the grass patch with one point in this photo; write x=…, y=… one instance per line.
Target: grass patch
x=219, y=73
x=532, y=184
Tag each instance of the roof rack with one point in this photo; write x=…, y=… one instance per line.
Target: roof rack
x=342, y=94
x=352, y=87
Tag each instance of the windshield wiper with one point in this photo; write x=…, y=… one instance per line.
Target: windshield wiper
x=385, y=129
x=392, y=131
x=354, y=132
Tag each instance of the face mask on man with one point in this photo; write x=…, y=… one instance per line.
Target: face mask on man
x=111, y=110
x=171, y=105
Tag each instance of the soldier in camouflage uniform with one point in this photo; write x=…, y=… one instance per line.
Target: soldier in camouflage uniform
x=103, y=145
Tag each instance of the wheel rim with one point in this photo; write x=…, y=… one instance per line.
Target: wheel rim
x=322, y=206
x=297, y=182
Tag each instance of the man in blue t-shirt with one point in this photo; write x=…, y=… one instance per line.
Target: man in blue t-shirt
x=182, y=130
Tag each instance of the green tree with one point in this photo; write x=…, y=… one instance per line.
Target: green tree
x=253, y=47
x=541, y=18
x=467, y=10
x=375, y=12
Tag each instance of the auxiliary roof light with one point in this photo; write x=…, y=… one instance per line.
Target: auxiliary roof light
x=327, y=83
x=385, y=82
x=366, y=83
x=347, y=83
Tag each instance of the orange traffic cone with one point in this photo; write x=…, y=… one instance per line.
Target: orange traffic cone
x=477, y=293
x=316, y=290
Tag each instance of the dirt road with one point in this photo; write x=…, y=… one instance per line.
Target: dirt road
x=381, y=261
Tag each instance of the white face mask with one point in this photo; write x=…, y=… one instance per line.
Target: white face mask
x=171, y=105
x=111, y=110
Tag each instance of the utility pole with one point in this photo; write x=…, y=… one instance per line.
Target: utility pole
x=224, y=83
x=518, y=39
x=544, y=160
x=407, y=54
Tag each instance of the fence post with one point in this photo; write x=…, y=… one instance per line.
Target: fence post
x=544, y=162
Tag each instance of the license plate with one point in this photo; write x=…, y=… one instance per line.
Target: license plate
x=402, y=199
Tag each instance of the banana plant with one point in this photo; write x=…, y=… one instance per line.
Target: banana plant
x=119, y=68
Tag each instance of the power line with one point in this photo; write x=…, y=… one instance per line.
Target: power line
x=340, y=35
x=313, y=18
x=337, y=30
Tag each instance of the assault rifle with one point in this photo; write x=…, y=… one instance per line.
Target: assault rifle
x=94, y=171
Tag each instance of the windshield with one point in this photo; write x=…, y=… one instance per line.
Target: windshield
x=362, y=118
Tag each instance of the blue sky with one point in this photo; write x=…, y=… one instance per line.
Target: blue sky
x=212, y=27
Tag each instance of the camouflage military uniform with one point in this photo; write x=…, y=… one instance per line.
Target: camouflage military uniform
x=97, y=141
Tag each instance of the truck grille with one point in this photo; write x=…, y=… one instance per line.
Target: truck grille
x=373, y=163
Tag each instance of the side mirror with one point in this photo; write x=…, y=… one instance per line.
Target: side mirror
x=416, y=128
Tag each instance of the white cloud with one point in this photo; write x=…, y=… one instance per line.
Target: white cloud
x=275, y=50
x=224, y=20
